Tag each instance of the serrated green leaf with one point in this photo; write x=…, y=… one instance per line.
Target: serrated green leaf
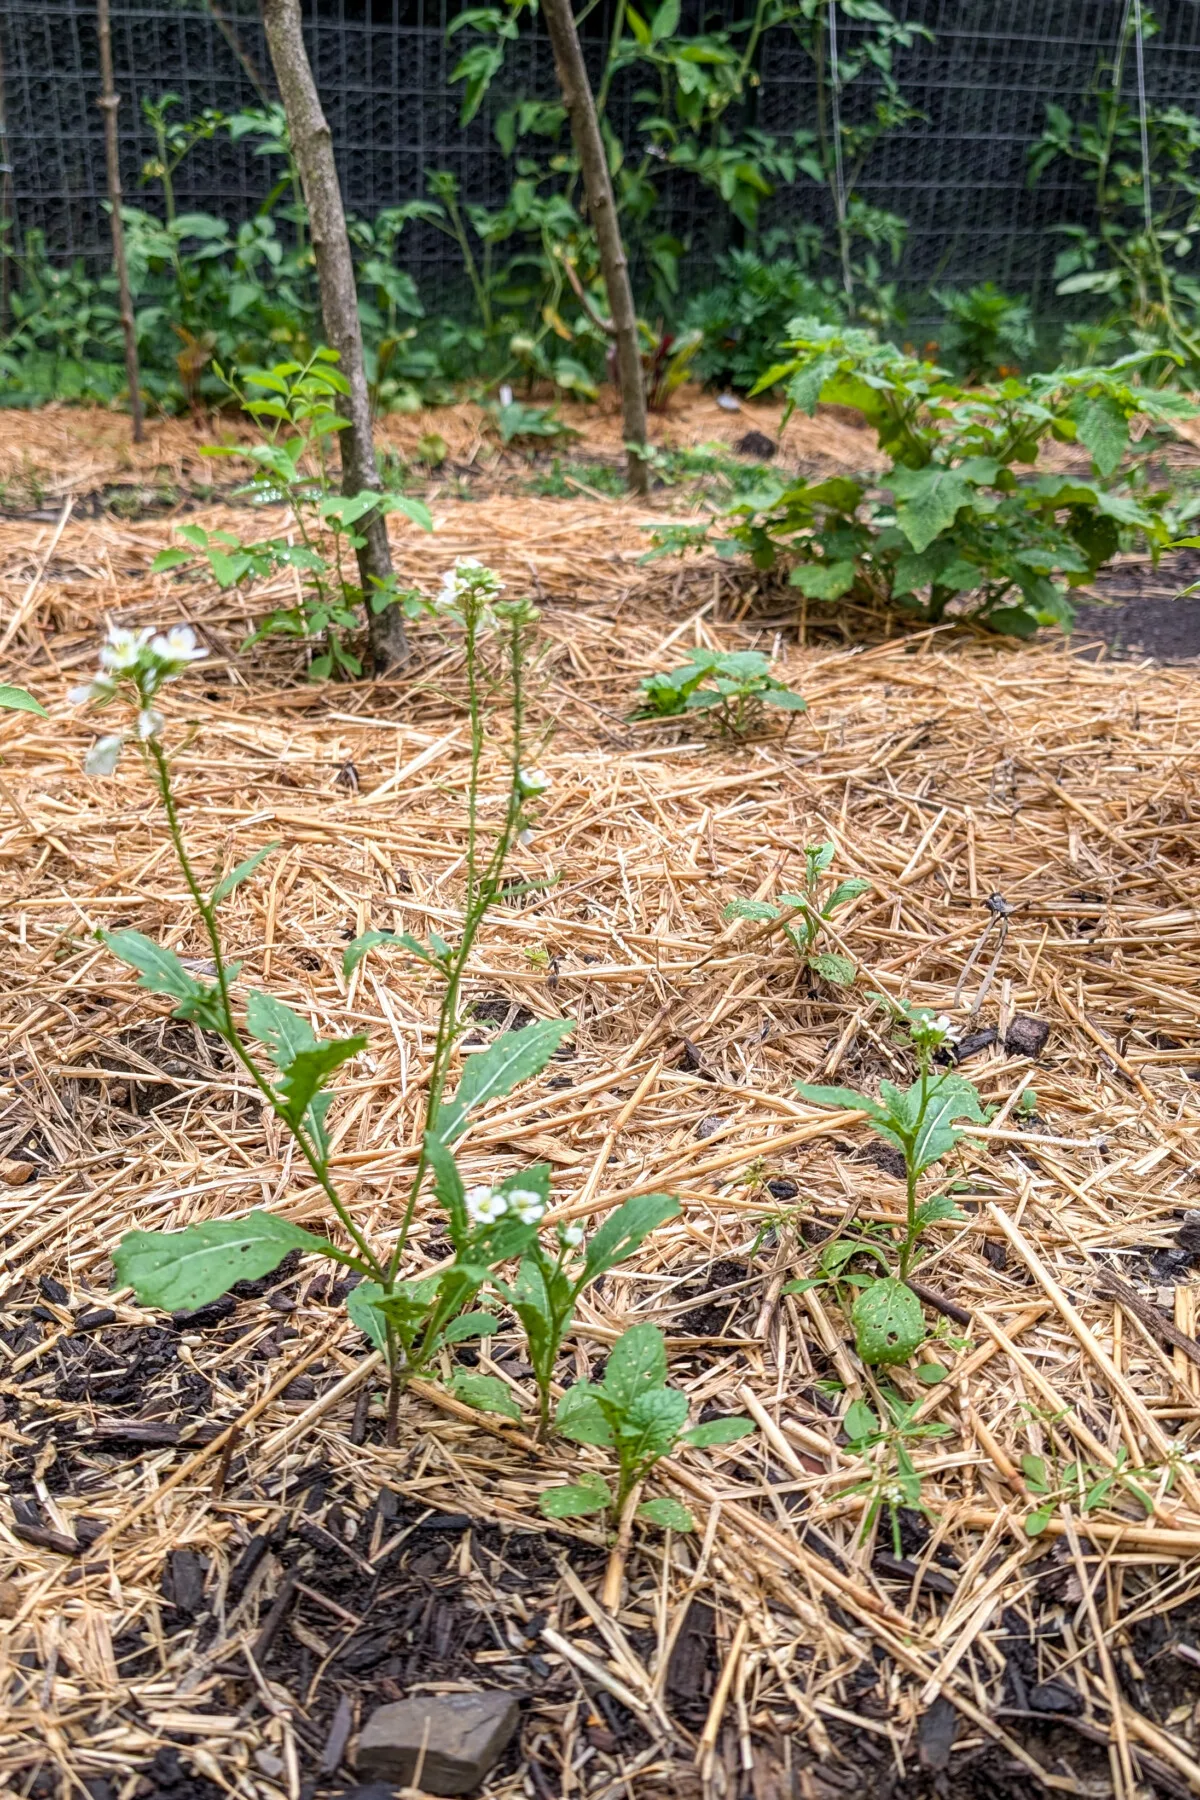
x=1102, y=428
x=636, y=1363
x=888, y=1322
x=160, y=969
x=831, y=967
x=361, y=1305
x=845, y=1099
x=928, y=501
x=823, y=580
x=590, y=1494
x=651, y=1422
x=718, y=1431
x=668, y=1514
x=15, y=699
x=580, y=1416
x=514, y=1057
x=181, y=1270
x=761, y=910
x=954, y=1097
x=283, y=1031
x=784, y=700
x=242, y=872
x=486, y=1393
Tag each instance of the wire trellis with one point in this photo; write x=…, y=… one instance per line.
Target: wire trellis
x=957, y=173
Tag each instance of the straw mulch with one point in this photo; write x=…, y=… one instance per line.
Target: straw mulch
x=212, y=1565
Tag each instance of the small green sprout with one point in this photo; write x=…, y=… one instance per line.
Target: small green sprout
x=741, y=686
x=804, y=914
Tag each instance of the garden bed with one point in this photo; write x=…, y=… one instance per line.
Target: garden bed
x=214, y=1567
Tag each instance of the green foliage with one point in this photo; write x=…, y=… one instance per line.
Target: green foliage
x=181, y=1270
x=962, y=522
x=802, y=915
x=884, y=1442
x=987, y=333
x=732, y=685
x=633, y=1412
x=1088, y=1486
x=15, y=699
x=745, y=315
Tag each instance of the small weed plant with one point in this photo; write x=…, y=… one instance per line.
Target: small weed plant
x=921, y=1121
x=801, y=917
x=633, y=1412
x=294, y=464
x=886, y=1438
x=967, y=522
x=409, y=1320
x=732, y=686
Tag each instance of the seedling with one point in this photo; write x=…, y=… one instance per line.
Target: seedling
x=920, y=1122
x=1085, y=1485
x=635, y=1413
x=895, y=1480
x=408, y=1320
x=802, y=915
x=741, y=686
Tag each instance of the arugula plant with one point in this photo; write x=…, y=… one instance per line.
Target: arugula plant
x=295, y=406
x=741, y=686
x=409, y=1320
x=921, y=1122
x=895, y=1480
x=802, y=915
x=966, y=522
x=633, y=1412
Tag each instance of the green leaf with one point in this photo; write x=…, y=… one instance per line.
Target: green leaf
x=718, y=1431
x=844, y=892
x=954, y=1097
x=830, y=967
x=888, y=1322
x=470, y=1325
x=170, y=559
x=447, y=1184
x=1013, y=621
x=283, y=1031
x=1034, y=1470
x=1036, y=1522
x=665, y=22
x=161, y=970
x=859, y=1422
x=490, y=1073
x=652, y=1421
x=935, y=1211
x=1103, y=428
x=367, y=940
x=750, y=909
x=242, y=872
x=845, y=1099
x=590, y=1494
x=15, y=699
x=580, y=1416
x=931, y=1373
x=624, y=1229
x=306, y=1073
x=823, y=580
x=637, y=1362
x=928, y=501
x=669, y=1514
x=486, y=1393
x=181, y=1270
x=804, y=388
x=361, y=1305
x=785, y=700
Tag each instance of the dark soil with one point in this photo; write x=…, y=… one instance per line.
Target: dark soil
x=1142, y=611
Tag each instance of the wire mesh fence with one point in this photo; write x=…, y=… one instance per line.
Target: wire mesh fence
x=957, y=173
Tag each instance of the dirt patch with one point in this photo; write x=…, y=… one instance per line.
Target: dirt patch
x=1144, y=611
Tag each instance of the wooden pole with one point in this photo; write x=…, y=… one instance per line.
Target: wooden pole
x=602, y=209
x=108, y=104
x=312, y=146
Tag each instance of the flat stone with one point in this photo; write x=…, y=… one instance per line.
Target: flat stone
x=462, y=1736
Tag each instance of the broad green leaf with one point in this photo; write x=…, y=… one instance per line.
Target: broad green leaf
x=953, y=1098
x=1036, y=1522
x=831, y=967
x=180, y=1270
x=283, y=1031
x=931, y=1373
x=928, y=501
x=806, y=385
x=161, y=970
x=355, y=952
x=306, y=1073
x=844, y=892
x=15, y=699
x=935, y=1211
x=361, y=1305
x=718, y=1431
x=785, y=700
x=665, y=22
x=347, y=509
x=486, y=1393
x=859, y=1422
x=447, y=1183
x=416, y=510
x=668, y=1514
x=470, y=1325
x=1034, y=1470
x=845, y=1099
x=623, y=1230
x=888, y=1322
x=1103, y=428
x=750, y=909
x=652, y=1421
x=637, y=1362
x=170, y=559
x=242, y=873
x=580, y=1416
x=1013, y=621
x=590, y=1494
x=490, y=1073
x=823, y=580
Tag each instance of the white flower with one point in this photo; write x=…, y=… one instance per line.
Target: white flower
x=525, y=838
x=468, y=576
x=122, y=649
x=104, y=755
x=942, y=1023
x=149, y=723
x=178, y=646
x=100, y=689
x=525, y=1204
x=532, y=781
x=570, y=1236
x=485, y=1205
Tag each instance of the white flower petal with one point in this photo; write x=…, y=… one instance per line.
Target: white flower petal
x=104, y=755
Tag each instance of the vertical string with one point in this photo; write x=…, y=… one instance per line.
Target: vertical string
x=1141, y=86
x=839, y=172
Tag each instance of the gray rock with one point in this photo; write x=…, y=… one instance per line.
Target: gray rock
x=462, y=1734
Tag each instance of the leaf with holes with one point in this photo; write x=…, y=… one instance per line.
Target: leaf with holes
x=671, y=1515
x=590, y=1494
x=888, y=1322
x=486, y=1393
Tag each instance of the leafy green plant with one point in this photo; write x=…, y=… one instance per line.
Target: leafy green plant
x=745, y=314
x=514, y=421
x=921, y=1121
x=803, y=915
x=667, y=358
x=742, y=685
x=295, y=405
x=895, y=1480
x=963, y=523
x=987, y=333
x=409, y=1320
x=633, y=1412
x=1086, y=1485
